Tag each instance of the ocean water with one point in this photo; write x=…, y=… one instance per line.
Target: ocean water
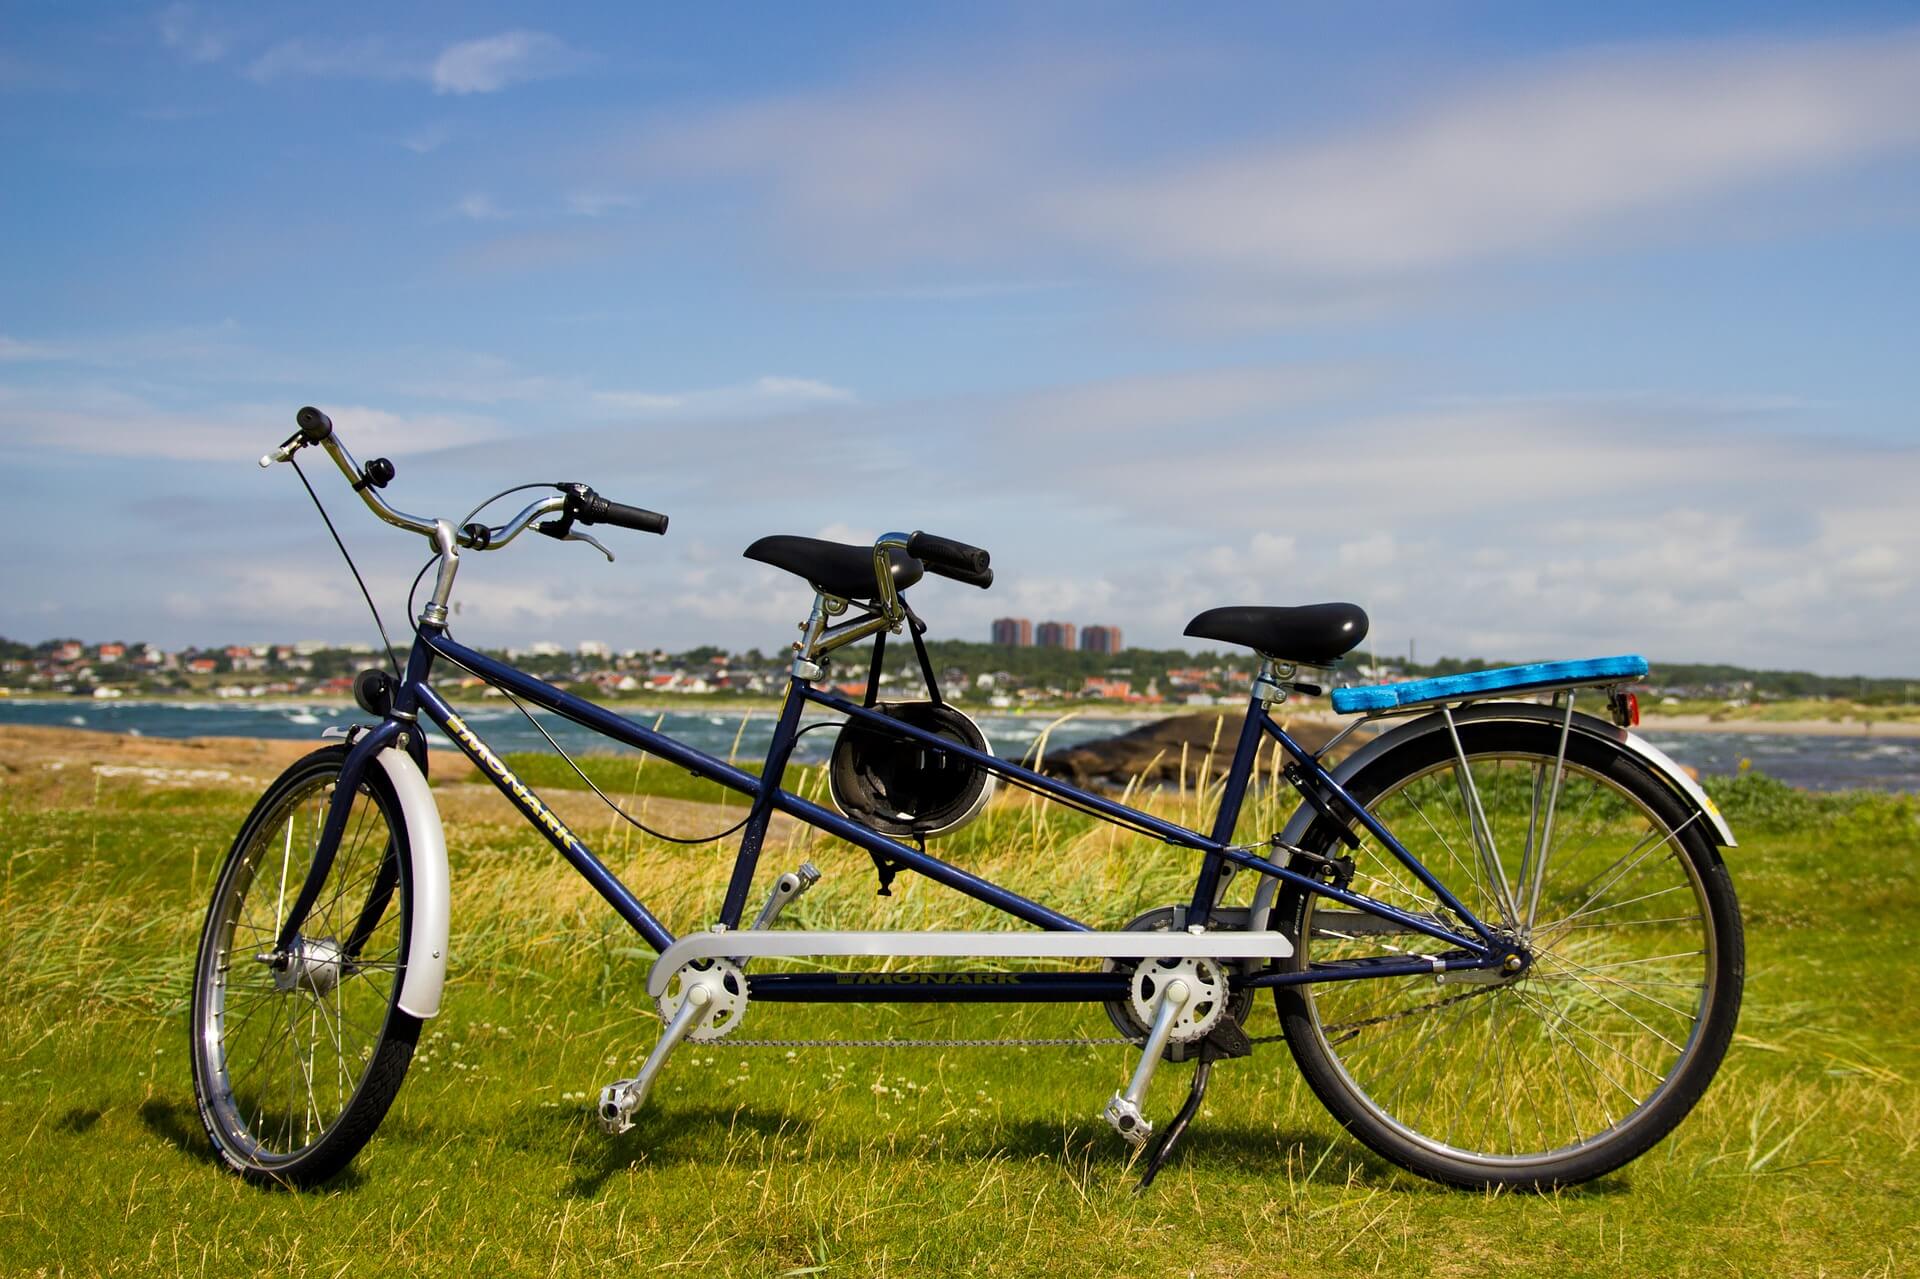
x=1811, y=761
x=726, y=733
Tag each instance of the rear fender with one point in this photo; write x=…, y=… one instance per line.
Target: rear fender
x=1684, y=787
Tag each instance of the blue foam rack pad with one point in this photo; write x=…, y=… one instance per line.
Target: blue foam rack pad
x=1505, y=679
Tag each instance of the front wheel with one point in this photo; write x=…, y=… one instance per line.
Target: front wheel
x=297, y=1055
x=1612, y=1032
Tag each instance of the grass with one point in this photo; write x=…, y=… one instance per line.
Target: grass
x=894, y=1161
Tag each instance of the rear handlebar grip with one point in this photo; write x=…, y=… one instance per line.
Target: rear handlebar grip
x=315, y=426
x=934, y=550
x=982, y=579
x=595, y=509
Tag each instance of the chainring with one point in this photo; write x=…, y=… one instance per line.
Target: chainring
x=1128, y=1020
x=729, y=987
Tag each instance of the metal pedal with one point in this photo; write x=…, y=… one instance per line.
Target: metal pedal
x=619, y=1099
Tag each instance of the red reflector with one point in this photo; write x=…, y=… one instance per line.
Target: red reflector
x=1633, y=709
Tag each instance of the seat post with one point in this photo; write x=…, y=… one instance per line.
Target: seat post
x=806, y=663
x=1270, y=683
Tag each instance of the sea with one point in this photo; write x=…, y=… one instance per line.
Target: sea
x=1810, y=761
x=729, y=734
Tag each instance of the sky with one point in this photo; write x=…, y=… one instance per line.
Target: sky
x=1537, y=331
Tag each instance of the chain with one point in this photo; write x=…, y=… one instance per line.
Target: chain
x=1346, y=1029
x=1352, y=1028
x=1080, y=1041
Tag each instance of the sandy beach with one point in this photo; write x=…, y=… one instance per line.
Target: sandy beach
x=1806, y=727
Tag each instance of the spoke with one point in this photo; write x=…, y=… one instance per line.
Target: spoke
x=1553, y=1029
x=1623, y=1053
x=1611, y=1047
x=1481, y=828
x=1499, y=1067
x=1546, y=830
x=1637, y=923
x=1477, y=876
x=286, y=857
x=1684, y=1015
x=1670, y=837
x=1601, y=910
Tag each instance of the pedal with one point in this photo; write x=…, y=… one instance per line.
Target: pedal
x=1123, y=1109
x=1124, y=1114
x=618, y=1101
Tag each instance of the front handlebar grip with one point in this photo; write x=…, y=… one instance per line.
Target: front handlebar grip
x=594, y=509
x=315, y=426
x=944, y=551
x=982, y=579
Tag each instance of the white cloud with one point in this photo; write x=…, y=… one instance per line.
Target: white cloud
x=758, y=396
x=801, y=388
x=493, y=63
x=479, y=207
x=183, y=30
x=473, y=66
x=371, y=58
x=1001, y=159
x=427, y=138
x=111, y=423
x=1535, y=160
x=596, y=204
x=14, y=351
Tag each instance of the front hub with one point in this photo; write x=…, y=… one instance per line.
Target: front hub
x=315, y=965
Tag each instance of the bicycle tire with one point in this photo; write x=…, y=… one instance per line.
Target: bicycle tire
x=352, y=956
x=1601, y=999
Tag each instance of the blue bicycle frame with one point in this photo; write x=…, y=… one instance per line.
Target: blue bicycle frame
x=414, y=696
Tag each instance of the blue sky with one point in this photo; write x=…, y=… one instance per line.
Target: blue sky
x=1539, y=331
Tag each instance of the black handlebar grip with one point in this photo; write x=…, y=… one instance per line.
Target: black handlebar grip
x=945, y=551
x=315, y=426
x=595, y=509
x=982, y=579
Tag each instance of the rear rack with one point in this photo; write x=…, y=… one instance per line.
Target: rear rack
x=1537, y=677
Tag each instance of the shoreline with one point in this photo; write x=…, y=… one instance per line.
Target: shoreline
x=1649, y=723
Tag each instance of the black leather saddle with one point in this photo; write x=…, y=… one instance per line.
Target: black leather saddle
x=1312, y=634
x=835, y=567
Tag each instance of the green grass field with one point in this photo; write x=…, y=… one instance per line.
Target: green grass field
x=889, y=1161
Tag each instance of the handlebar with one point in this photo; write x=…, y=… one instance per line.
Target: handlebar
x=950, y=559
x=594, y=509
x=574, y=501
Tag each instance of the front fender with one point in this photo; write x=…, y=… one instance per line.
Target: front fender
x=432, y=912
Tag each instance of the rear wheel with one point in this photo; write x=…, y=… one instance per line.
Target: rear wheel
x=297, y=1055
x=1612, y=1032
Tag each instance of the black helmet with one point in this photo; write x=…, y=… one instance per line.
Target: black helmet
x=900, y=787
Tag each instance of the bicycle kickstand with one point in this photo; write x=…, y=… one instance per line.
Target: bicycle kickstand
x=1163, y=1149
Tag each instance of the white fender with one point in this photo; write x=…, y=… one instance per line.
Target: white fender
x=1688, y=791
x=427, y=947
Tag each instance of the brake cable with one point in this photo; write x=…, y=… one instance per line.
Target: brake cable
x=540, y=728
x=326, y=519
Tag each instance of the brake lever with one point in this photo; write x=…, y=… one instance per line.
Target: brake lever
x=577, y=536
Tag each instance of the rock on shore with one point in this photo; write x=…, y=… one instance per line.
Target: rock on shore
x=1157, y=752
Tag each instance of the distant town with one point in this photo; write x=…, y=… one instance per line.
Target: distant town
x=1018, y=632
x=1023, y=665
